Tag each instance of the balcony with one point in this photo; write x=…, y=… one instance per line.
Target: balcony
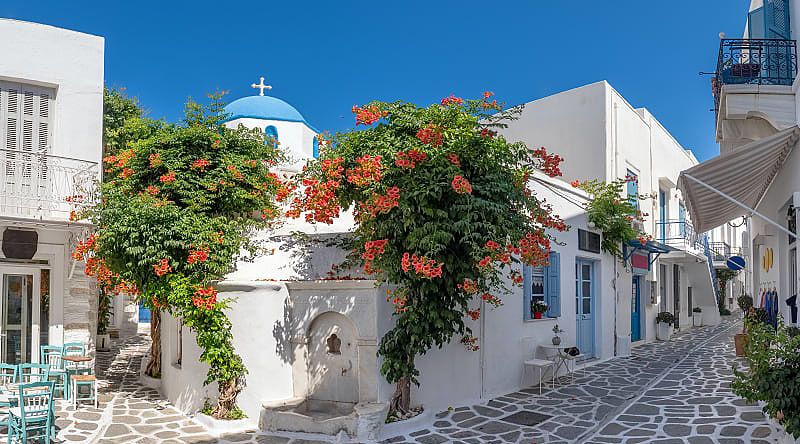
x=678, y=234
x=43, y=186
x=752, y=88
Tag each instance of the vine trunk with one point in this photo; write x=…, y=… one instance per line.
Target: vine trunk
x=154, y=364
x=228, y=391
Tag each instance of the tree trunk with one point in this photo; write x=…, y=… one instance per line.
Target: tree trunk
x=228, y=392
x=401, y=399
x=154, y=364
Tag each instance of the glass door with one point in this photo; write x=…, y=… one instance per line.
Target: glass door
x=584, y=306
x=19, y=329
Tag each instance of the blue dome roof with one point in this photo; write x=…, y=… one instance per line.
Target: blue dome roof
x=264, y=107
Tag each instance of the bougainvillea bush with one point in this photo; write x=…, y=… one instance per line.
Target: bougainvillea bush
x=443, y=212
x=176, y=208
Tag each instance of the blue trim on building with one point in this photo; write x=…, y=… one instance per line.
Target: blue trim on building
x=246, y=116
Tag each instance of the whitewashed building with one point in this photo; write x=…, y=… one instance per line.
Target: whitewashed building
x=755, y=177
x=287, y=311
x=51, y=106
x=601, y=136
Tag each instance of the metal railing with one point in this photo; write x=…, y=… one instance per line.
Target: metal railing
x=711, y=270
x=677, y=233
x=754, y=62
x=721, y=251
x=40, y=185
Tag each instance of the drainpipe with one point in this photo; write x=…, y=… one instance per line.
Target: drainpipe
x=481, y=351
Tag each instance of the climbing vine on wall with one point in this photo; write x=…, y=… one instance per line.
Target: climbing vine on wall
x=176, y=206
x=443, y=211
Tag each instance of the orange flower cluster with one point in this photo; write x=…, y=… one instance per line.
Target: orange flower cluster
x=381, y=204
x=368, y=114
x=423, y=266
x=461, y=185
x=198, y=255
x=120, y=160
x=453, y=158
x=550, y=162
x=474, y=314
x=367, y=171
x=491, y=299
x=201, y=164
x=167, y=178
x=489, y=105
x=399, y=301
x=410, y=159
x=124, y=286
x=371, y=250
x=126, y=173
x=319, y=201
x=452, y=100
x=486, y=132
x=430, y=135
x=155, y=160
x=492, y=245
x=162, y=267
x=84, y=247
x=97, y=267
x=205, y=298
x=516, y=277
x=469, y=286
x=332, y=168
x=535, y=249
x=152, y=190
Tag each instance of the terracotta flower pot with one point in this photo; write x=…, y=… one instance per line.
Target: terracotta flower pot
x=537, y=315
x=740, y=341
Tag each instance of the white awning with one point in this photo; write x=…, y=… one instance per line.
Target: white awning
x=725, y=187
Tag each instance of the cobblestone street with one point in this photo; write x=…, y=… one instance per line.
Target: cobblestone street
x=674, y=392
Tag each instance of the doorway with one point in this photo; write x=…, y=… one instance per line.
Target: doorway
x=676, y=294
x=584, y=307
x=24, y=307
x=636, y=310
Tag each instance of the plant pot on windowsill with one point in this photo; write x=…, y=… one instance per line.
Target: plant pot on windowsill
x=538, y=308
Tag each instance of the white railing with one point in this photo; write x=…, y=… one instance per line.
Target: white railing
x=44, y=186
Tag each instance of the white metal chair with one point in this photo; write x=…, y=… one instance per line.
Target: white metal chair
x=540, y=364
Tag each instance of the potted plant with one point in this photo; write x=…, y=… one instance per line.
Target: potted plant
x=539, y=307
x=697, y=317
x=745, y=303
x=103, y=315
x=556, y=331
x=664, y=322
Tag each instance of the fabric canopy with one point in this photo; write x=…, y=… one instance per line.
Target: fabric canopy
x=743, y=174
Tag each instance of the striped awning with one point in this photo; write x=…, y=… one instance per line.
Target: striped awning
x=723, y=188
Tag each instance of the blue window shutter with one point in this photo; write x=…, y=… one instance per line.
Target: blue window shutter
x=527, y=292
x=553, y=286
x=776, y=19
x=315, y=145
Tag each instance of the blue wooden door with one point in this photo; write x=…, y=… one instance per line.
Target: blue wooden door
x=636, y=310
x=144, y=313
x=584, y=307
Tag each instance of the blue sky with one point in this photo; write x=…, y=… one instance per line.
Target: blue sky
x=325, y=56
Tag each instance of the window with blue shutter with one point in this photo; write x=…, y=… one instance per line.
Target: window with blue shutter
x=272, y=133
x=553, y=285
x=776, y=19
x=315, y=146
x=633, y=188
x=542, y=284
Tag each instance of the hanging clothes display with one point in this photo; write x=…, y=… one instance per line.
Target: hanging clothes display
x=775, y=309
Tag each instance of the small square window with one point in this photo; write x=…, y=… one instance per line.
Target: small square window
x=588, y=241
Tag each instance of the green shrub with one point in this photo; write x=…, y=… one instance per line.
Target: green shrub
x=745, y=303
x=665, y=317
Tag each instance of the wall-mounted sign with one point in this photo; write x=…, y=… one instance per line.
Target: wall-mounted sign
x=20, y=244
x=735, y=263
x=640, y=262
x=767, y=260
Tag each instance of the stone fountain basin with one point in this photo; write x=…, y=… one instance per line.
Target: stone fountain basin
x=362, y=421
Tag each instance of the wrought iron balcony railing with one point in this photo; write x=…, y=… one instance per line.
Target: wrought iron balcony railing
x=35, y=185
x=754, y=62
x=721, y=251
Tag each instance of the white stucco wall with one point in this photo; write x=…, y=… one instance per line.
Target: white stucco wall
x=294, y=137
x=71, y=63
